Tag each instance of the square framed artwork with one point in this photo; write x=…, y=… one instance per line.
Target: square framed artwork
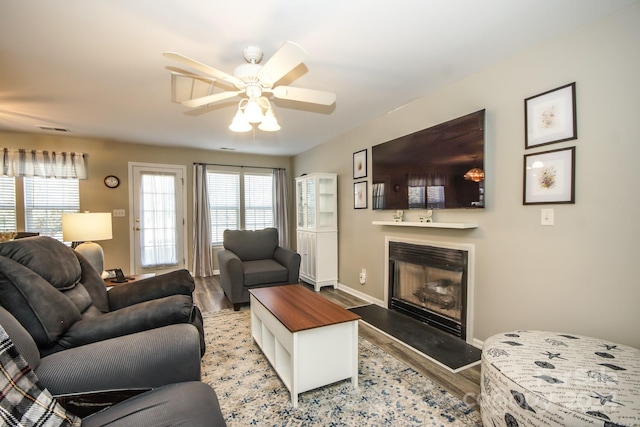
x=549, y=177
x=360, y=195
x=550, y=117
x=360, y=164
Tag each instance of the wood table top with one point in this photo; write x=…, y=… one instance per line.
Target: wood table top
x=299, y=308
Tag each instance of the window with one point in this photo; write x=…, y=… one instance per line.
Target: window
x=45, y=200
x=239, y=200
x=435, y=197
x=159, y=217
x=7, y=203
x=258, y=201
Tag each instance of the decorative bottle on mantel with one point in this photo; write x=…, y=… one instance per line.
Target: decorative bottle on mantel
x=317, y=228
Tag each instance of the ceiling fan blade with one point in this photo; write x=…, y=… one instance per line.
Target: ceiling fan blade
x=304, y=95
x=185, y=73
x=210, y=99
x=288, y=57
x=221, y=75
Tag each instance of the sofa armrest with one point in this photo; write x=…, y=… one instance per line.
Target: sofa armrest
x=291, y=260
x=140, y=317
x=177, y=282
x=146, y=359
x=230, y=271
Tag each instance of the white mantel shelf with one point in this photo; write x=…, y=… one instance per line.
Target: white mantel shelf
x=458, y=225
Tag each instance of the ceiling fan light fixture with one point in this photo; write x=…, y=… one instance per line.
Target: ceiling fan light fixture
x=270, y=123
x=240, y=123
x=253, y=112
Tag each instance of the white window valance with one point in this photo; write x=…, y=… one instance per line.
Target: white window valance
x=46, y=164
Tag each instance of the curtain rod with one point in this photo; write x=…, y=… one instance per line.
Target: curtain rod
x=235, y=166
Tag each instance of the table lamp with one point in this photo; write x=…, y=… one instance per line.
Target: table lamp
x=86, y=228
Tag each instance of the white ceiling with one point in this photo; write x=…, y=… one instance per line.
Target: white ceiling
x=96, y=67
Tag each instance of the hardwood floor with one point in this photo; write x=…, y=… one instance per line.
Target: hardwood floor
x=465, y=385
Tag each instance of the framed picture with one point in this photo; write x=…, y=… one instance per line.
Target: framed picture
x=360, y=195
x=550, y=117
x=549, y=177
x=360, y=164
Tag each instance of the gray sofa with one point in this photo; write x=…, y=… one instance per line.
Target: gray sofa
x=149, y=378
x=63, y=303
x=253, y=259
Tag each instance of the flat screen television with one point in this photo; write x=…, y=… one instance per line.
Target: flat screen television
x=441, y=167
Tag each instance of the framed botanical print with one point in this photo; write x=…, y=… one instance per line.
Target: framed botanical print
x=550, y=117
x=360, y=195
x=360, y=164
x=549, y=177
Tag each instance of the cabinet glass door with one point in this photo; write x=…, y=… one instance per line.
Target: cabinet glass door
x=311, y=203
x=301, y=205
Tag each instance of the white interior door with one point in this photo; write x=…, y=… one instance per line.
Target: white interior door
x=158, y=207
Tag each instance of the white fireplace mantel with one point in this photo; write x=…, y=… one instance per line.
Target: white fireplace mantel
x=457, y=225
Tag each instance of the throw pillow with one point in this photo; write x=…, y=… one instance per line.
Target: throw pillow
x=22, y=400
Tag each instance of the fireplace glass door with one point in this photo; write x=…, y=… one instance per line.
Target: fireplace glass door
x=430, y=288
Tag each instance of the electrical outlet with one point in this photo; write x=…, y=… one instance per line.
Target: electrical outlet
x=363, y=276
x=546, y=217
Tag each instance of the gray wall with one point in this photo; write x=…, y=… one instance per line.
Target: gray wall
x=578, y=276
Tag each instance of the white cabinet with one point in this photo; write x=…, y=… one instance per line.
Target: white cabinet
x=317, y=228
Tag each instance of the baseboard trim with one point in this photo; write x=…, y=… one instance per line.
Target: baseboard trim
x=360, y=295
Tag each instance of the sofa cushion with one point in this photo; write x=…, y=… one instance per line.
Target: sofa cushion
x=40, y=254
x=264, y=271
x=43, y=310
x=79, y=297
x=251, y=245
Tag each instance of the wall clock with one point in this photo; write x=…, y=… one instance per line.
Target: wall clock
x=112, y=181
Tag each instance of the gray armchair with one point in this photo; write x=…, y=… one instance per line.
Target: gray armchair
x=254, y=259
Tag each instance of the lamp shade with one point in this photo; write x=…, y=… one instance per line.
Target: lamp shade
x=253, y=112
x=86, y=227
x=269, y=124
x=240, y=123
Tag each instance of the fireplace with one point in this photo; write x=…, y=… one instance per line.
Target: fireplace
x=431, y=282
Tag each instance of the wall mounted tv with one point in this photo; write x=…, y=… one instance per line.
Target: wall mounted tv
x=441, y=167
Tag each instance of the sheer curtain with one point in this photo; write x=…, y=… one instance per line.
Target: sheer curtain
x=280, y=206
x=202, y=262
x=45, y=164
x=158, y=234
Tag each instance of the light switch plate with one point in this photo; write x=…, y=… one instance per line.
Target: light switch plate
x=118, y=213
x=546, y=217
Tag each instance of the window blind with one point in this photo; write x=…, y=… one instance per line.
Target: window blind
x=45, y=200
x=258, y=201
x=7, y=203
x=224, y=203
x=239, y=200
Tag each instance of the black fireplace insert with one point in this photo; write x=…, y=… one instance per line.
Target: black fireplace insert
x=430, y=284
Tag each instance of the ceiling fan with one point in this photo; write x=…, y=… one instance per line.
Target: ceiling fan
x=255, y=83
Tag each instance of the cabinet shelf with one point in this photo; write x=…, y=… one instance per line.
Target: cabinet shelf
x=455, y=225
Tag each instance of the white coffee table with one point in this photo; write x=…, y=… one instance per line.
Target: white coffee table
x=309, y=340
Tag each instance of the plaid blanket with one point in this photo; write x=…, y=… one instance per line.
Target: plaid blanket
x=22, y=401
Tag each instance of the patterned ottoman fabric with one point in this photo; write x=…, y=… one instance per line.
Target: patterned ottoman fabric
x=534, y=378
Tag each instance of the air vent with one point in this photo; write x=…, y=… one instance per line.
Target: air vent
x=54, y=129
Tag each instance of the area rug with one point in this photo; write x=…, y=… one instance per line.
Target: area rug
x=389, y=394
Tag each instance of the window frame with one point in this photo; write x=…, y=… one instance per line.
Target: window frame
x=22, y=209
x=240, y=172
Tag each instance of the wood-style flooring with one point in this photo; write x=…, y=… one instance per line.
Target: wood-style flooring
x=465, y=384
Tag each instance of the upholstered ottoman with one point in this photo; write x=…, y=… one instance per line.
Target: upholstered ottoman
x=532, y=378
